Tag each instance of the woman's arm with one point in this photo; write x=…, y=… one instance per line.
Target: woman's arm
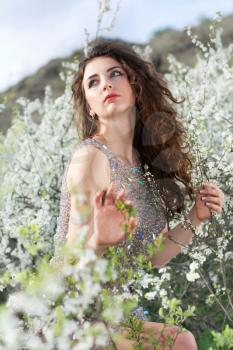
x=89, y=175
x=178, y=234
x=209, y=198
x=84, y=176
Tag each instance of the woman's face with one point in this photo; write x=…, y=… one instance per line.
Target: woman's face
x=104, y=76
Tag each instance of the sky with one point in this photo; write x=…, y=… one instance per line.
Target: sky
x=32, y=32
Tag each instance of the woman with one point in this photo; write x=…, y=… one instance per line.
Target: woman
x=126, y=122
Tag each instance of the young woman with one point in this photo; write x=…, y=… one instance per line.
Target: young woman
x=125, y=121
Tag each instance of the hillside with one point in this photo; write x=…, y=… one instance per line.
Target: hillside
x=162, y=42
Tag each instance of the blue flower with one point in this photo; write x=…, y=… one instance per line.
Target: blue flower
x=140, y=235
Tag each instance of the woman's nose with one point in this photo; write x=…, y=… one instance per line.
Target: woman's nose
x=107, y=84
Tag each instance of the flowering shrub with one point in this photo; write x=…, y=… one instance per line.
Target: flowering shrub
x=207, y=112
x=48, y=315
x=64, y=306
x=33, y=159
x=73, y=302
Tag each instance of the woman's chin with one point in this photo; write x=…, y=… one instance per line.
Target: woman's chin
x=115, y=109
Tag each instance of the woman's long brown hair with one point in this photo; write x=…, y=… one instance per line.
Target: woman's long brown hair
x=159, y=135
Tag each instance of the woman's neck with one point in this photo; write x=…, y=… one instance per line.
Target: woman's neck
x=121, y=147
x=117, y=135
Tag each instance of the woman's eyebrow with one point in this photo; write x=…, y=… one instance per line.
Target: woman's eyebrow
x=108, y=70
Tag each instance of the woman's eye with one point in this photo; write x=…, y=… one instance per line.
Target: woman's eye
x=116, y=71
x=91, y=83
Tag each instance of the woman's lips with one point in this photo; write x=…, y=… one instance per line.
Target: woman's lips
x=111, y=97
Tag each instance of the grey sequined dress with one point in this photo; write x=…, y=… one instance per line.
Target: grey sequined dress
x=150, y=212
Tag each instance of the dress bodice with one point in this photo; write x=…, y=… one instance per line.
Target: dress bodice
x=150, y=212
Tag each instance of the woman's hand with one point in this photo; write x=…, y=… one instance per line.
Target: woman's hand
x=209, y=198
x=108, y=220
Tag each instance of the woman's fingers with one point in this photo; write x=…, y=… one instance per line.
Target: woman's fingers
x=212, y=189
x=132, y=223
x=121, y=195
x=211, y=199
x=98, y=199
x=110, y=195
x=103, y=197
x=214, y=207
x=109, y=200
x=212, y=196
x=107, y=197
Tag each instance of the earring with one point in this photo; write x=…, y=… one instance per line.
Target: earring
x=92, y=114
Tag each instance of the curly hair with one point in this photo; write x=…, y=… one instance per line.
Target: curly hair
x=159, y=135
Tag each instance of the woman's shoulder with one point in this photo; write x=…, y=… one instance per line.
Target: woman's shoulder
x=88, y=167
x=86, y=153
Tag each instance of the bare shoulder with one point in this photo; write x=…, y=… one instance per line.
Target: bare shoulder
x=88, y=170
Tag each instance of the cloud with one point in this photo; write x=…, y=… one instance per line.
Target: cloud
x=33, y=36
x=33, y=31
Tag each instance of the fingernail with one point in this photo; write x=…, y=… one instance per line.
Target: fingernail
x=203, y=198
x=207, y=203
x=201, y=191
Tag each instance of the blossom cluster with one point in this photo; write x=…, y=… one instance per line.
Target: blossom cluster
x=61, y=306
x=33, y=160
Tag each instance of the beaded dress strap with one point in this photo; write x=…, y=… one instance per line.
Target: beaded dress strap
x=113, y=159
x=100, y=146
